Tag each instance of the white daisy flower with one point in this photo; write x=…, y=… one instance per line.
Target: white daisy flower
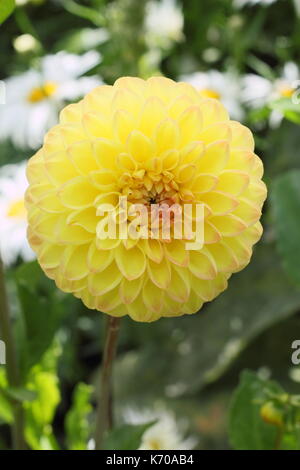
x=163, y=435
x=13, y=222
x=34, y=98
x=242, y=3
x=225, y=87
x=258, y=91
x=163, y=21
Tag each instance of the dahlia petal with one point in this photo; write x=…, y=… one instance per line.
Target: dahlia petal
x=211, y=234
x=107, y=243
x=240, y=159
x=256, y=192
x=202, y=264
x=166, y=136
x=228, y=225
x=170, y=159
x=36, y=168
x=73, y=234
x=123, y=123
x=220, y=203
x=126, y=162
x=108, y=301
x=103, y=179
x=215, y=132
x=50, y=203
x=96, y=125
x=50, y=255
x=179, y=288
x=105, y=281
x=212, y=111
x=105, y=153
x=71, y=114
x=233, y=182
x=98, y=260
x=172, y=308
x=247, y=211
x=85, y=218
x=77, y=193
x=137, y=265
x=179, y=106
x=159, y=273
x=82, y=157
x=177, y=253
x=71, y=133
x=190, y=124
x=138, y=312
x=192, y=152
x=125, y=98
x=241, y=250
x=215, y=158
x=74, y=262
x=58, y=168
x=152, y=113
x=140, y=147
x=152, y=297
x=203, y=288
x=224, y=257
x=204, y=183
x=242, y=137
x=152, y=249
x=193, y=305
x=129, y=290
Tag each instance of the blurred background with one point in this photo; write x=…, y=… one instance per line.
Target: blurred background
x=182, y=372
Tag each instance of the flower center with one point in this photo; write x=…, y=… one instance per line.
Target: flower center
x=286, y=91
x=43, y=92
x=16, y=210
x=210, y=93
x=154, y=444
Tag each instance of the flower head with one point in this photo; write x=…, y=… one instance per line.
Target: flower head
x=157, y=143
x=34, y=98
x=13, y=223
x=259, y=91
x=163, y=22
x=165, y=433
x=225, y=87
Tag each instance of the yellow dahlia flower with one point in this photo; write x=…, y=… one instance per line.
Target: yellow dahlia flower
x=153, y=141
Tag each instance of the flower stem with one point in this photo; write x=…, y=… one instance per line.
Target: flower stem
x=104, y=408
x=13, y=375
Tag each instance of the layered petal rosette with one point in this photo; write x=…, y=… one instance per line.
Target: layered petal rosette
x=155, y=142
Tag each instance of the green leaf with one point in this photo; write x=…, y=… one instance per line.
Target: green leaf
x=43, y=307
x=77, y=423
x=40, y=412
x=6, y=412
x=286, y=208
x=20, y=394
x=6, y=9
x=289, y=109
x=126, y=437
x=247, y=430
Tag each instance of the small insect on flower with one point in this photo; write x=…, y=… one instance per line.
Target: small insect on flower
x=153, y=143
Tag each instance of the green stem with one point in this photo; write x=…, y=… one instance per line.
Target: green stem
x=13, y=376
x=104, y=407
